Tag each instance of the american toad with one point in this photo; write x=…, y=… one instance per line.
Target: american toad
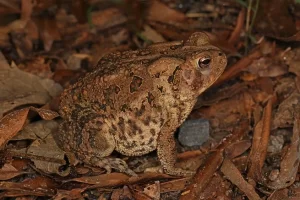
x=133, y=102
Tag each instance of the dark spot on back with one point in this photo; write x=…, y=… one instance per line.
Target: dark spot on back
x=150, y=141
x=121, y=119
x=152, y=131
x=142, y=149
x=174, y=47
x=160, y=88
x=114, y=127
x=140, y=111
x=117, y=90
x=122, y=135
x=170, y=79
x=121, y=124
x=139, y=130
x=150, y=98
x=147, y=120
x=112, y=131
x=134, y=128
x=124, y=107
x=103, y=107
x=296, y=163
x=78, y=139
x=135, y=83
x=162, y=121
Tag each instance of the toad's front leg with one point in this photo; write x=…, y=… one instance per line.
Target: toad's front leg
x=166, y=151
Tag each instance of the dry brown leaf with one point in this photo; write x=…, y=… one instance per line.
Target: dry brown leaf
x=189, y=154
x=284, y=115
x=173, y=185
x=8, y=172
x=290, y=162
x=210, y=98
x=16, y=25
x=237, y=149
x=235, y=35
x=74, y=61
x=124, y=193
x=279, y=195
x=32, y=31
x=79, y=9
x=260, y=143
x=22, y=43
x=293, y=38
x=291, y=57
x=285, y=87
x=234, y=70
x=153, y=191
x=27, y=7
x=75, y=193
x=20, y=194
x=275, y=19
x=152, y=35
x=9, y=5
x=36, y=130
x=241, y=163
x=13, y=122
x=203, y=176
x=46, y=151
x=267, y=67
x=20, y=88
x=38, y=66
x=116, y=179
x=169, y=15
x=104, y=180
x=48, y=31
x=217, y=188
x=108, y=18
x=234, y=175
x=224, y=116
x=43, y=151
x=137, y=194
x=38, y=186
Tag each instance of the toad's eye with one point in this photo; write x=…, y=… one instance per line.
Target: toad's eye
x=204, y=62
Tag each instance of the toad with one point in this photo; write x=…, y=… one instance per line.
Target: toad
x=133, y=102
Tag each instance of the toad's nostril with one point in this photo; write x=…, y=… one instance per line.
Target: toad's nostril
x=220, y=54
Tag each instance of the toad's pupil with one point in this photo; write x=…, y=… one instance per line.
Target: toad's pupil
x=204, y=62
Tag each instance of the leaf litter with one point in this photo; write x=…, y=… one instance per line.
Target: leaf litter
x=253, y=149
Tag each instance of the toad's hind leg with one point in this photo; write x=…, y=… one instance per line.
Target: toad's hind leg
x=98, y=143
x=112, y=163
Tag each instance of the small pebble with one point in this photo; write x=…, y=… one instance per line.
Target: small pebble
x=194, y=132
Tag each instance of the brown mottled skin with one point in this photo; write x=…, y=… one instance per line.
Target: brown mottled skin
x=133, y=102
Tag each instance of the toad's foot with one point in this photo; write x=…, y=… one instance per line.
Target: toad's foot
x=178, y=171
x=112, y=163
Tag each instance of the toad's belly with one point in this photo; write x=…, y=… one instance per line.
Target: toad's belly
x=136, y=135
